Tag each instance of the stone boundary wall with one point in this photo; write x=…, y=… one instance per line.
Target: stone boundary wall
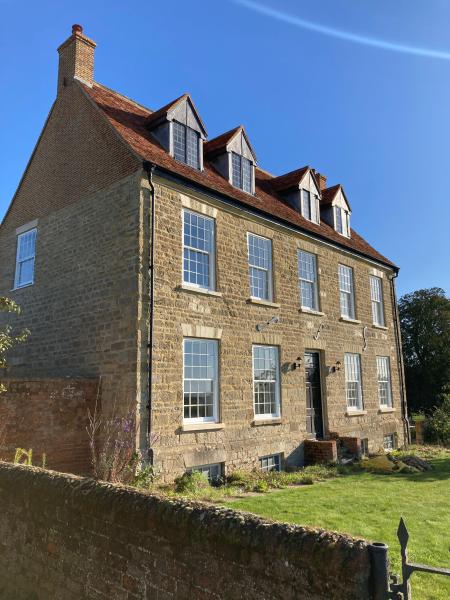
x=69, y=537
x=49, y=416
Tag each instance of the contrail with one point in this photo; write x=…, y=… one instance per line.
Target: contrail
x=343, y=35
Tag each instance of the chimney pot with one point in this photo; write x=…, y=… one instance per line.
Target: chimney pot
x=77, y=29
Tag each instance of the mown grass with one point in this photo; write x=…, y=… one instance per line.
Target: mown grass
x=369, y=505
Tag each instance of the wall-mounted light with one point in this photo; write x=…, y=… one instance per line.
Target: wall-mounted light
x=297, y=363
x=334, y=368
x=338, y=365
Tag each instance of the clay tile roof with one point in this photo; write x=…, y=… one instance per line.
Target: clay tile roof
x=289, y=180
x=129, y=119
x=329, y=194
x=221, y=141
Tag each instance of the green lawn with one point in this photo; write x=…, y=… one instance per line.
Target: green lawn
x=369, y=505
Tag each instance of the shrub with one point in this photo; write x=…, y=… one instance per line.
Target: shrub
x=144, y=477
x=191, y=483
x=437, y=427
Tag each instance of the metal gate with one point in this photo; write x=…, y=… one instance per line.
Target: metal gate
x=386, y=585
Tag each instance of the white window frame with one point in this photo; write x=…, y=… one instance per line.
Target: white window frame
x=312, y=201
x=31, y=257
x=242, y=160
x=384, y=377
x=389, y=442
x=344, y=271
x=213, y=472
x=311, y=282
x=352, y=368
x=211, y=254
x=215, y=387
x=268, y=271
x=377, y=301
x=271, y=462
x=276, y=414
x=344, y=221
x=187, y=131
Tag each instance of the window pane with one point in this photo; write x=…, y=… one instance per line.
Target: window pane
x=376, y=296
x=260, y=267
x=26, y=249
x=347, y=299
x=384, y=381
x=270, y=463
x=265, y=380
x=200, y=379
x=213, y=473
x=179, y=141
x=353, y=381
x=307, y=270
x=339, y=225
x=306, y=204
x=198, y=246
x=192, y=151
x=236, y=174
x=246, y=175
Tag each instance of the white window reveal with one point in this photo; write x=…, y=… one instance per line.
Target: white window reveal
x=353, y=388
x=260, y=267
x=200, y=376
x=307, y=273
x=389, y=442
x=25, y=257
x=270, y=463
x=342, y=221
x=376, y=297
x=186, y=145
x=310, y=206
x=198, y=250
x=346, y=291
x=266, y=382
x=384, y=381
x=213, y=473
x=241, y=172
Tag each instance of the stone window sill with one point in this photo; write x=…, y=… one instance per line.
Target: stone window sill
x=347, y=320
x=268, y=421
x=386, y=409
x=21, y=287
x=197, y=290
x=192, y=427
x=261, y=302
x=316, y=313
x=379, y=327
x=355, y=413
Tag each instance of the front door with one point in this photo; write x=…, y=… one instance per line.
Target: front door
x=314, y=420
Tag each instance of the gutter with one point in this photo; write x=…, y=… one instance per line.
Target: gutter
x=149, y=168
x=401, y=370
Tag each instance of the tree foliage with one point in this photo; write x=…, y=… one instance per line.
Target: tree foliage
x=7, y=339
x=425, y=326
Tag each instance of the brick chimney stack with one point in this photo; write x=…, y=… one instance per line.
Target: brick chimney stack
x=321, y=180
x=76, y=59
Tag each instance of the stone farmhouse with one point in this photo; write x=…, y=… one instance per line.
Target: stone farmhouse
x=237, y=312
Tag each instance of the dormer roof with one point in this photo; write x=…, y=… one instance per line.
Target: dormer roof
x=292, y=180
x=168, y=113
x=222, y=142
x=331, y=195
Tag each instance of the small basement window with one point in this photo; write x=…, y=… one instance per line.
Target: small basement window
x=365, y=446
x=213, y=472
x=270, y=463
x=389, y=442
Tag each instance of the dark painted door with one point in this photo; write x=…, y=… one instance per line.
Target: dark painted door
x=314, y=420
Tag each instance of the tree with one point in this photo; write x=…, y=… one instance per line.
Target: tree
x=425, y=326
x=7, y=339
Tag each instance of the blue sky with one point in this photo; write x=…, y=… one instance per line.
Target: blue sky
x=358, y=89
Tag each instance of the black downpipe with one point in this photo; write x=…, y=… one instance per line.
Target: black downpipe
x=149, y=169
x=400, y=357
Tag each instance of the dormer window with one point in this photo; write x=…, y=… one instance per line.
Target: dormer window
x=241, y=169
x=342, y=221
x=186, y=144
x=310, y=206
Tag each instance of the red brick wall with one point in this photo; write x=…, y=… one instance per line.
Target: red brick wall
x=49, y=416
x=322, y=451
x=67, y=537
x=352, y=444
